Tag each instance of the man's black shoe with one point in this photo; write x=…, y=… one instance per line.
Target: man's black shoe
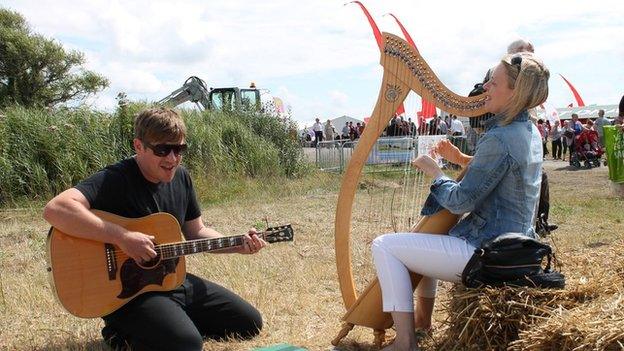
x=551, y=227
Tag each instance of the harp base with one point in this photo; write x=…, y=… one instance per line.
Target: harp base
x=346, y=328
x=379, y=335
x=367, y=312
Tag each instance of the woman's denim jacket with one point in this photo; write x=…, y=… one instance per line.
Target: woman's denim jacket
x=500, y=187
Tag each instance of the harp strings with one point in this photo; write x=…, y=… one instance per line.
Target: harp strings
x=391, y=194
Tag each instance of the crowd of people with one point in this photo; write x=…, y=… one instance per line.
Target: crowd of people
x=571, y=137
x=327, y=132
x=450, y=125
x=397, y=126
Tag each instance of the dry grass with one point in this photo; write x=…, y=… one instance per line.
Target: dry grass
x=294, y=285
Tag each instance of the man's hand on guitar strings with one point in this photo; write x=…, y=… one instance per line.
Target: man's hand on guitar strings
x=252, y=243
x=138, y=246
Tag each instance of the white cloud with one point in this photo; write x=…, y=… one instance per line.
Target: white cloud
x=148, y=48
x=338, y=99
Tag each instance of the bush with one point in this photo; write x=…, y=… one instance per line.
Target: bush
x=43, y=152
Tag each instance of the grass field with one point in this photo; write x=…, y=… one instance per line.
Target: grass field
x=294, y=285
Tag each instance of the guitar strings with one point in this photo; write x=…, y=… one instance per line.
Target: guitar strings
x=171, y=248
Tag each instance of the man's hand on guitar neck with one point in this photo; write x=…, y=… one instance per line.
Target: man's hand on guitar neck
x=138, y=246
x=195, y=229
x=252, y=243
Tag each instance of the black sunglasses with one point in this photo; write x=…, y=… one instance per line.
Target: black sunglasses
x=163, y=150
x=517, y=60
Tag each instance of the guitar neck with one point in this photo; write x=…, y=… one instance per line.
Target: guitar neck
x=183, y=248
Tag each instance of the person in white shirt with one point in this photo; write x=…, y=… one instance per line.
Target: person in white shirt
x=457, y=127
x=317, y=127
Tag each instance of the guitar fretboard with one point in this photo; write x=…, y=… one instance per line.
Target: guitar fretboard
x=173, y=250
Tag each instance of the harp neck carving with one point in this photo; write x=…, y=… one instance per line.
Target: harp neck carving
x=400, y=59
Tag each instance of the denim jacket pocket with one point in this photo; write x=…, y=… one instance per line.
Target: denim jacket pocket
x=470, y=228
x=477, y=220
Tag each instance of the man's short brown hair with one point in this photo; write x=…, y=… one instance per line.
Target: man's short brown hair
x=159, y=125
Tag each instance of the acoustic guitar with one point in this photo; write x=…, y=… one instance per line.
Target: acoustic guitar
x=92, y=279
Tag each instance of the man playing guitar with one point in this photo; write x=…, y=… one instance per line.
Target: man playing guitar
x=149, y=182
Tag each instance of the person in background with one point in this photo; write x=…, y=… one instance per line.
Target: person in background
x=457, y=127
x=345, y=131
x=317, y=128
x=442, y=127
x=412, y=127
x=568, y=139
x=555, y=137
x=353, y=134
x=600, y=122
x=330, y=131
x=577, y=127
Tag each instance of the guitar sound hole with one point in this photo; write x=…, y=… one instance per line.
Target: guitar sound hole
x=151, y=263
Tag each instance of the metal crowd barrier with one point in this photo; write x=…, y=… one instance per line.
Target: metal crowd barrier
x=388, y=154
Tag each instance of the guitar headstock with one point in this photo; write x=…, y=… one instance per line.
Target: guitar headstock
x=279, y=234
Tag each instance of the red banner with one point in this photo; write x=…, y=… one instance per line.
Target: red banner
x=428, y=108
x=400, y=110
x=578, y=98
x=372, y=23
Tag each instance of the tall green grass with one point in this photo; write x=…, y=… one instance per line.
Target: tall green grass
x=43, y=152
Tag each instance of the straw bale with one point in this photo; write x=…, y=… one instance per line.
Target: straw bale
x=586, y=315
x=598, y=325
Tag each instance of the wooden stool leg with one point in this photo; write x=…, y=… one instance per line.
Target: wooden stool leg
x=380, y=337
x=346, y=328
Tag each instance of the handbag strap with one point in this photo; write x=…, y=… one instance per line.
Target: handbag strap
x=472, y=262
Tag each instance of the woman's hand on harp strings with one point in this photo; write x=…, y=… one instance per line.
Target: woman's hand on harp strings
x=451, y=153
x=428, y=165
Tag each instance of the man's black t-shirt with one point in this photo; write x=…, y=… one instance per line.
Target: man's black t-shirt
x=121, y=189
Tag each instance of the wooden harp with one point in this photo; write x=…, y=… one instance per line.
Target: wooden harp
x=403, y=70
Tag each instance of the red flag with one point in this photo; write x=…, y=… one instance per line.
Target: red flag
x=372, y=23
x=405, y=33
x=378, y=39
x=570, y=105
x=579, y=101
x=428, y=108
x=400, y=110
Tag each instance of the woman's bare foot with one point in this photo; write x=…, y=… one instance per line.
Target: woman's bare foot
x=422, y=324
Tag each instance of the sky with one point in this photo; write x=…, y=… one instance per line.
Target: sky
x=320, y=57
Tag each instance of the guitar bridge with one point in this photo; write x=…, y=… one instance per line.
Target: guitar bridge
x=111, y=261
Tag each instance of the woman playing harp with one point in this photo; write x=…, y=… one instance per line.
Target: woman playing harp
x=499, y=191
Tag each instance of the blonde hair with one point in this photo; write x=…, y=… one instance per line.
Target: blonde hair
x=528, y=77
x=159, y=125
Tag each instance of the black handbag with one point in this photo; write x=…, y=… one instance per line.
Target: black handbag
x=512, y=259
